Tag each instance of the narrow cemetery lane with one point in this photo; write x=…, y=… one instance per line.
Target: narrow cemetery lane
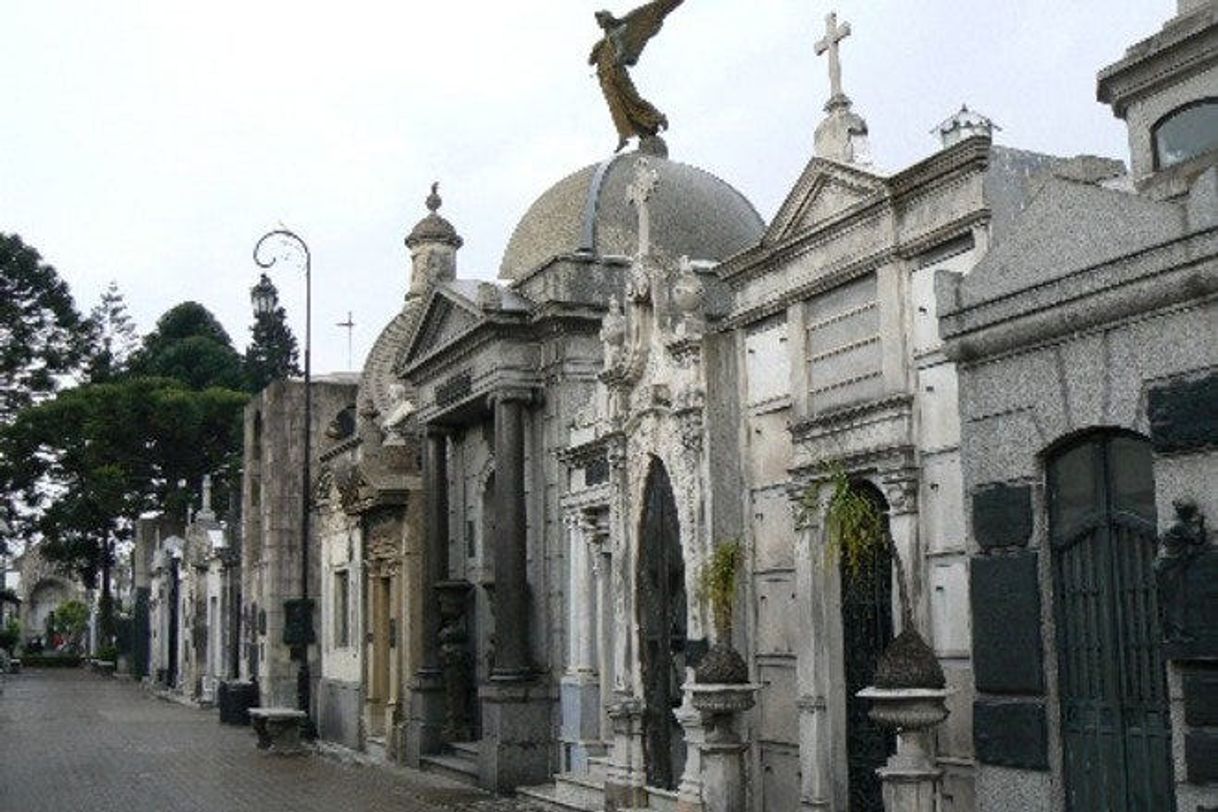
x=71, y=740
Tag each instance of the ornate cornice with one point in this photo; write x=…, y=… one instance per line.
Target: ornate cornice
x=846, y=416
x=1184, y=47
x=1168, y=274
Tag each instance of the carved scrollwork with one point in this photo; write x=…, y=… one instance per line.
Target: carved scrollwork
x=902, y=496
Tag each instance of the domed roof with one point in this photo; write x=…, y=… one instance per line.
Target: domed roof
x=693, y=213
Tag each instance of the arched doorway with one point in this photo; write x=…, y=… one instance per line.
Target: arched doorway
x=1115, y=725
x=662, y=629
x=44, y=598
x=866, y=609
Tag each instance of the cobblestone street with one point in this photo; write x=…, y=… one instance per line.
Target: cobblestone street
x=71, y=740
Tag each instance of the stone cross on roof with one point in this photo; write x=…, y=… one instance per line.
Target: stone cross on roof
x=834, y=34
x=639, y=192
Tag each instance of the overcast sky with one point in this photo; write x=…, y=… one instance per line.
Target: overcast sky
x=153, y=142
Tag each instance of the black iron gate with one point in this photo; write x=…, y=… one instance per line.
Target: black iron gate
x=662, y=630
x=866, y=632
x=1115, y=725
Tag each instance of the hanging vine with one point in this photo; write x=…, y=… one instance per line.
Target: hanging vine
x=854, y=522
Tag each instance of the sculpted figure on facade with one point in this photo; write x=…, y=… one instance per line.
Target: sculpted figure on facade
x=618, y=49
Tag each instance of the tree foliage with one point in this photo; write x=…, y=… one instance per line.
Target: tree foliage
x=112, y=339
x=272, y=353
x=191, y=346
x=86, y=463
x=42, y=336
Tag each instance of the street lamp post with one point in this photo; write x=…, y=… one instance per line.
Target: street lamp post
x=298, y=614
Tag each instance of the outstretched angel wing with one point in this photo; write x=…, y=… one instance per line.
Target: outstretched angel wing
x=641, y=25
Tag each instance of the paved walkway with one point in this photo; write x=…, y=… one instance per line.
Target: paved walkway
x=71, y=740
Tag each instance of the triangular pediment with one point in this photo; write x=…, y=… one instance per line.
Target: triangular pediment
x=446, y=316
x=824, y=190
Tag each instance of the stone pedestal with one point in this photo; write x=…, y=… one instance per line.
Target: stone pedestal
x=427, y=705
x=580, y=698
x=626, y=779
x=278, y=729
x=910, y=776
x=715, y=764
x=516, y=740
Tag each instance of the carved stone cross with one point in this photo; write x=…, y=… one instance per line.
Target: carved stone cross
x=834, y=34
x=639, y=193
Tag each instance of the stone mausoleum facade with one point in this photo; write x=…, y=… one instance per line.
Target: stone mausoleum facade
x=1009, y=356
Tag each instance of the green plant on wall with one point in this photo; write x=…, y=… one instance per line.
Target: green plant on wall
x=717, y=584
x=855, y=529
x=853, y=521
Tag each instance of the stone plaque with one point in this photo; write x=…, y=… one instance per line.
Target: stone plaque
x=1201, y=695
x=1201, y=756
x=1184, y=414
x=298, y=622
x=1007, y=650
x=452, y=389
x=1011, y=733
x=596, y=471
x=1002, y=515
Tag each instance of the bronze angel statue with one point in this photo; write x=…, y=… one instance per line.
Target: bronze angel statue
x=619, y=49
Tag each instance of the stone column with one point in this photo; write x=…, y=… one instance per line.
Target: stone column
x=581, y=684
x=516, y=735
x=427, y=687
x=511, y=547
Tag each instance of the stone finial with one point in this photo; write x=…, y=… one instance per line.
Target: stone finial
x=646, y=178
x=831, y=43
x=964, y=124
x=842, y=136
x=205, y=512
x=433, y=244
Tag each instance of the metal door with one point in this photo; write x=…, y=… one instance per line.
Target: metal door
x=866, y=632
x=662, y=630
x=1115, y=725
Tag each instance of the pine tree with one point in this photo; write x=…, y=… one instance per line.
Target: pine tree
x=114, y=336
x=272, y=353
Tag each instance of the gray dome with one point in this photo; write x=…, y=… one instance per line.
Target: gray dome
x=692, y=212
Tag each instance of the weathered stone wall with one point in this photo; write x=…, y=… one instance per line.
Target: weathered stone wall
x=271, y=532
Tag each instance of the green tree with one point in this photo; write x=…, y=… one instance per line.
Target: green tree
x=113, y=340
x=71, y=619
x=272, y=353
x=191, y=346
x=89, y=461
x=42, y=336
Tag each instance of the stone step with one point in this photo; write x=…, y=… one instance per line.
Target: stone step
x=546, y=797
x=661, y=800
x=451, y=766
x=598, y=767
x=465, y=749
x=580, y=788
x=376, y=748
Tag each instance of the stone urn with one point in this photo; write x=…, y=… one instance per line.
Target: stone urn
x=909, y=697
x=714, y=778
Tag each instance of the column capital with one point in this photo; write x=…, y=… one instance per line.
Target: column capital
x=525, y=395
x=437, y=431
